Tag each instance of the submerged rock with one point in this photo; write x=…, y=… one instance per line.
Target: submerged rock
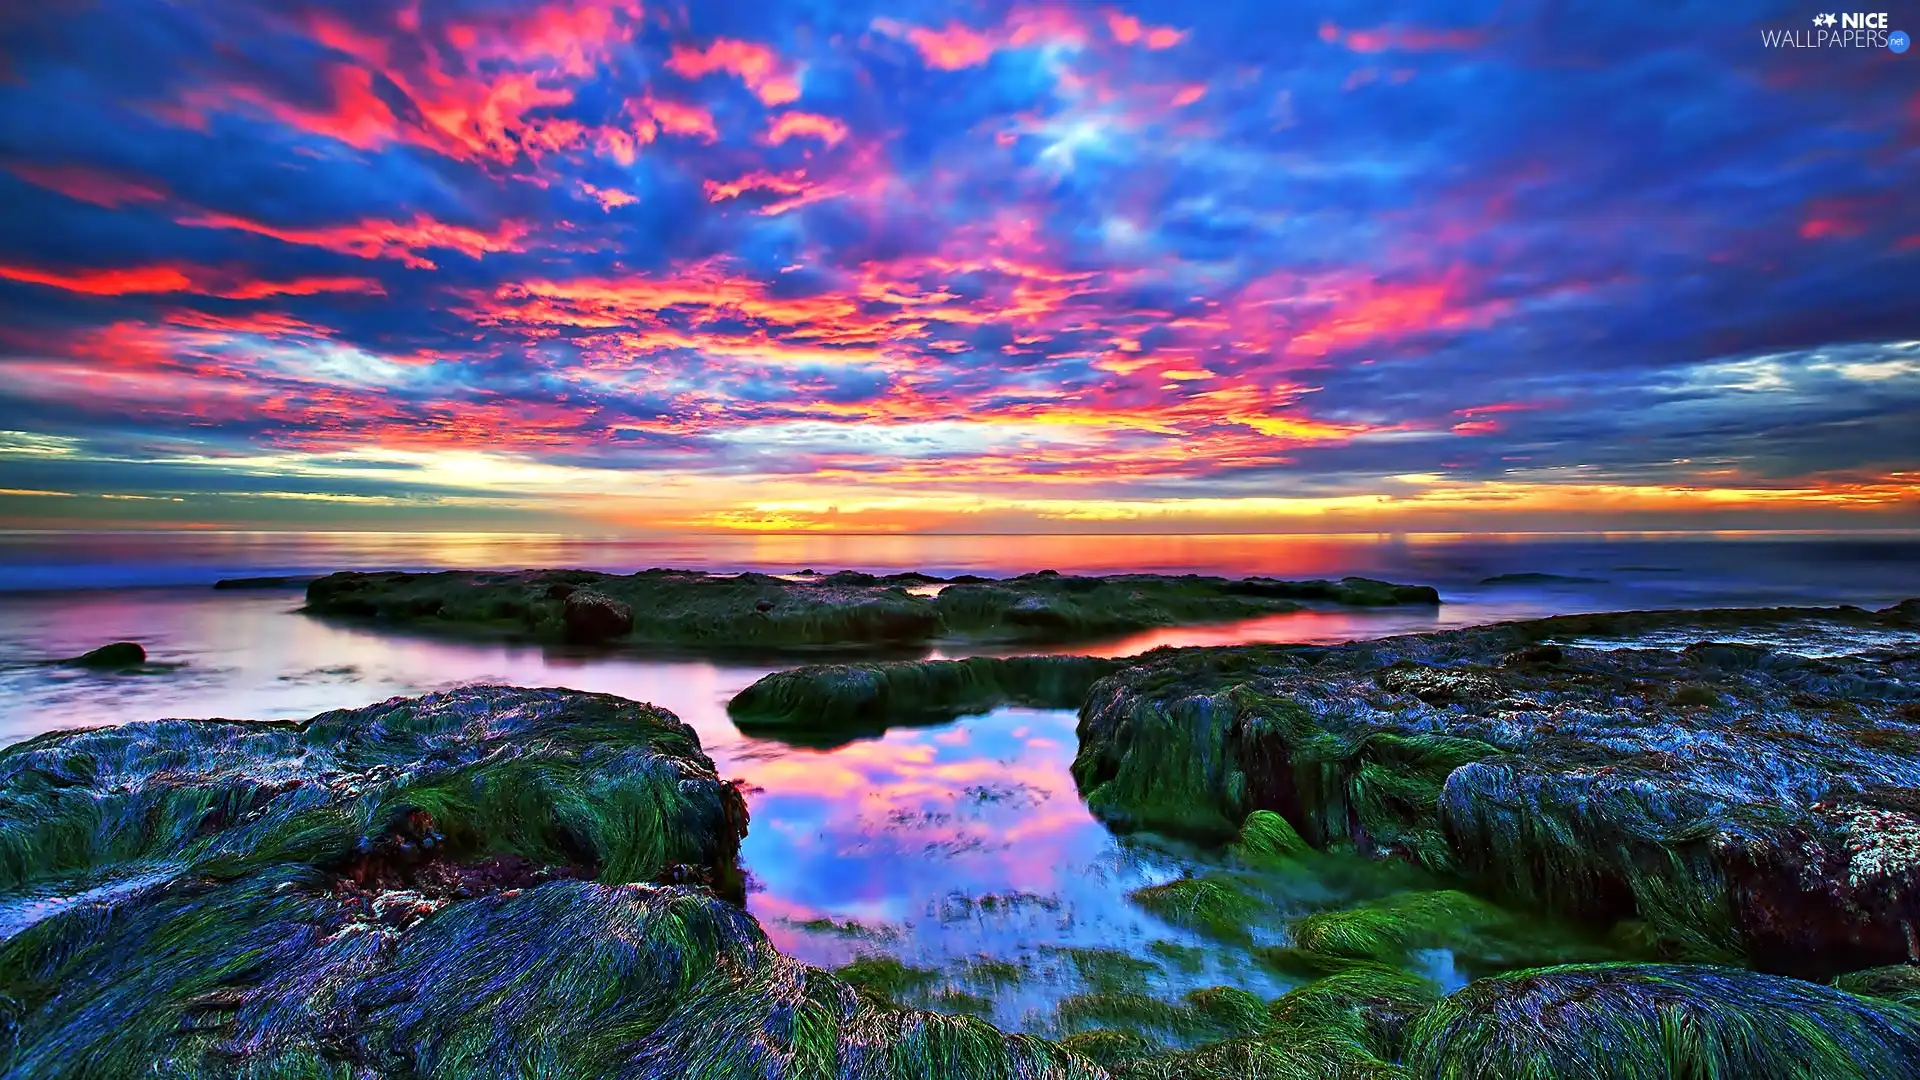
x=120, y=654
x=842, y=609
x=1536, y=578
x=842, y=701
x=1739, y=802
x=282, y=581
x=1652, y=1022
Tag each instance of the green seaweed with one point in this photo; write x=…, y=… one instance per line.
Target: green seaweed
x=1895, y=982
x=1213, y=905
x=1361, y=1014
x=1630, y=1022
x=1266, y=837
x=886, y=976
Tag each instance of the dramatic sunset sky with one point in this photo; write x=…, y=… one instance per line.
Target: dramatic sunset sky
x=795, y=264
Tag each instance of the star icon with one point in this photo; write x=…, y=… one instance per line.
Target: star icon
x=1824, y=20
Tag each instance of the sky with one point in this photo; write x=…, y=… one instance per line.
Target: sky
x=625, y=265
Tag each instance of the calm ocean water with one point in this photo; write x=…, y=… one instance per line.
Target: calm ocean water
x=943, y=843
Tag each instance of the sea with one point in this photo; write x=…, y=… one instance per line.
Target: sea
x=937, y=846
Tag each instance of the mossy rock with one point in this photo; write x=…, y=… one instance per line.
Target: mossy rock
x=1642, y=1022
x=408, y=889
x=593, y=782
x=1770, y=816
x=675, y=608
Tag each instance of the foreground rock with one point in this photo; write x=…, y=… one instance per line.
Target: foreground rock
x=497, y=882
x=671, y=607
x=1719, y=801
x=481, y=883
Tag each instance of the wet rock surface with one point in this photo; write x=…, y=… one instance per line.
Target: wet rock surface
x=592, y=618
x=835, y=702
x=1724, y=800
x=846, y=609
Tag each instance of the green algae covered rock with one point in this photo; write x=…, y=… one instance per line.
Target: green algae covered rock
x=488, y=882
x=654, y=607
x=852, y=610
x=1655, y=1022
x=1773, y=818
x=595, y=783
x=844, y=700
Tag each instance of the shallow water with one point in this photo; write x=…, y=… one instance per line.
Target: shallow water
x=936, y=845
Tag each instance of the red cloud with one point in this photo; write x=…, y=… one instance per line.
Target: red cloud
x=375, y=239
x=1407, y=38
x=183, y=279
x=608, y=198
x=1366, y=312
x=1128, y=30
x=88, y=185
x=675, y=118
x=951, y=49
x=150, y=279
x=770, y=78
x=791, y=125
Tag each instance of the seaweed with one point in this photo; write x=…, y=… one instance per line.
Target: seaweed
x=1630, y=1021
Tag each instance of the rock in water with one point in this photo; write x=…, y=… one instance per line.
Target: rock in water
x=120, y=654
x=829, y=703
x=592, y=618
x=1740, y=803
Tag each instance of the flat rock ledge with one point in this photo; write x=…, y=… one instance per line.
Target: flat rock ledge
x=843, y=610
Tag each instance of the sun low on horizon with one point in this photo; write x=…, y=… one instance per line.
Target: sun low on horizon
x=1050, y=267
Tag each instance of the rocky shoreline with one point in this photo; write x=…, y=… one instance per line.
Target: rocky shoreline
x=497, y=881
x=809, y=610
